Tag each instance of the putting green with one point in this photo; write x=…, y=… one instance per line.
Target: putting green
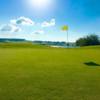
x=43, y=73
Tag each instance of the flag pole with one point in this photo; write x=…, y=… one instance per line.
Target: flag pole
x=67, y=40
x=65, y=28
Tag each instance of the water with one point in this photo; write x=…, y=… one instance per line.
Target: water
x=55, y=46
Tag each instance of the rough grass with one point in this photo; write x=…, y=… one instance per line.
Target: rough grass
x=49, y=74
x=20, y=45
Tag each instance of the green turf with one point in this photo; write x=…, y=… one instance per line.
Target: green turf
x=49, y=73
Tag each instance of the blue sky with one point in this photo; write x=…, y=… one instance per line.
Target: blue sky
x=43, y=20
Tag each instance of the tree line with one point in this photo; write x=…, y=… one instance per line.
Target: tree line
x=88, y=40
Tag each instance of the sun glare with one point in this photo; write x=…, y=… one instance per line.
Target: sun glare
x=40, y=5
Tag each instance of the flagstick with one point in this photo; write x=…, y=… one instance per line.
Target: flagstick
x=65, y=28
x=67, y=40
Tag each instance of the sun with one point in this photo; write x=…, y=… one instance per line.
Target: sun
x=40, y=5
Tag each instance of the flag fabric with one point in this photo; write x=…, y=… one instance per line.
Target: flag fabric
x=65, y=28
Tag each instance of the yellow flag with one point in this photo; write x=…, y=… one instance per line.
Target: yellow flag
x=65, y=28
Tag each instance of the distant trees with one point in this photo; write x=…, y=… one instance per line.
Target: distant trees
x=50, y=43
x=88, y=40
x=12, y=40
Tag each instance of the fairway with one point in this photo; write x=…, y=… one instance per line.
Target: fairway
x=44, y=73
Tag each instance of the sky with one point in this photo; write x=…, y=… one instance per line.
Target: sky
x=43, y=19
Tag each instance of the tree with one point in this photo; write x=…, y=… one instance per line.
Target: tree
x=88, y=40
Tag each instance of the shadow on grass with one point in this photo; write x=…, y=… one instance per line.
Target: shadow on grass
x=91, y=64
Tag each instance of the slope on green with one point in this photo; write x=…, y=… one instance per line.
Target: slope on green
x=49, y=74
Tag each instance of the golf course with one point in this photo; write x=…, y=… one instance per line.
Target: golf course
x=36, y=72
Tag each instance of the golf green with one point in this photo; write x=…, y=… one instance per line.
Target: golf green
x=44, y=73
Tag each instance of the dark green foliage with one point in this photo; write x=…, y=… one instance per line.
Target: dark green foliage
x=88, y=40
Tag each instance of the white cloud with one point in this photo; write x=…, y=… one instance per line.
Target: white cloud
x=10, y=28
x=49, y=24
x=38, y=32
x=22, y=21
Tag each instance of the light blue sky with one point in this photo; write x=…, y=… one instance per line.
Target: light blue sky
x=19, y=19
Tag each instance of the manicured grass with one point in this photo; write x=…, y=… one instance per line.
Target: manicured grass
x=49, y=73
